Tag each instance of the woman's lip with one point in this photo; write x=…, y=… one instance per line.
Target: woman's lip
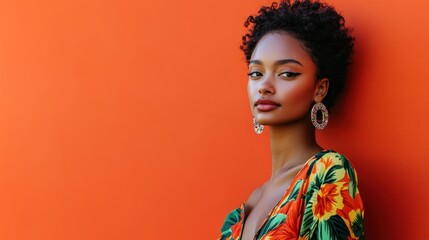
x=265, y=101
x=266, y=105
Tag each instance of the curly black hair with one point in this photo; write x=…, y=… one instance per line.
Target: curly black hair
x=318, y=26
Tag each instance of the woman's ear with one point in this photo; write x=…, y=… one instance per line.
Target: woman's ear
x=321, y=89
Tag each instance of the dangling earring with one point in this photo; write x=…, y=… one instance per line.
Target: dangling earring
x=257, y=127
x=322, y=124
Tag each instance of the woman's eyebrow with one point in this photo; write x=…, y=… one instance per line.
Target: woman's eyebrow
x=278, y=62
x=284, y=61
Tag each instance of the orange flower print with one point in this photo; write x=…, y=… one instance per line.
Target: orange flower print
x=328, y=200
x=289, y=230
x=285, y=208
x=236, y=230
x=327, y=162
x=322, y=167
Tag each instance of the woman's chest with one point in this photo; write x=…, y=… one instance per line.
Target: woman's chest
x=277, y=214
x=258, y=213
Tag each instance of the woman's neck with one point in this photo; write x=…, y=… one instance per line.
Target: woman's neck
x=292, y=145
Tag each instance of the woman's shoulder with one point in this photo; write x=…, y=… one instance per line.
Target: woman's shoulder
x=330, y=158
x=330, y=153
x=332, y=200
x=329, y=166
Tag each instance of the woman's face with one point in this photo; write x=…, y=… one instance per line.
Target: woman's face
x=282, y=81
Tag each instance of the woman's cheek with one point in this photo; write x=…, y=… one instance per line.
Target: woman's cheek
x=300, y=96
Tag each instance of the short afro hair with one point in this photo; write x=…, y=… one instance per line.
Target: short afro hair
x=318, y=26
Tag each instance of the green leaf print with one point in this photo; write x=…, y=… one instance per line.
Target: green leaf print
x=357, y=226
x=294, y=194
x=232, y=218
x=352, y=175
x=334, y=228
x=320, y=154
x=317, y=157
x=272, y=224
x=330, y=176
x=314, y=187
x=308, y=222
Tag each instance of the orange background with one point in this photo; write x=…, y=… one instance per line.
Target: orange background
x=129, y=119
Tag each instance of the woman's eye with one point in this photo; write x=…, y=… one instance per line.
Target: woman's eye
x=255, y=74
x=289, y=74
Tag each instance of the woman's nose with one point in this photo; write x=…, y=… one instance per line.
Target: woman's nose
x=266, y=86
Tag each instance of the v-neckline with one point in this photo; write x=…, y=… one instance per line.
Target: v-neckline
x=286, y=193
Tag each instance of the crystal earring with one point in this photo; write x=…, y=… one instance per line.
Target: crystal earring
x=319, y=124
x=257, y=127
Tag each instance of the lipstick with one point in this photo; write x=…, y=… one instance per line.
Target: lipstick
x=265, y=105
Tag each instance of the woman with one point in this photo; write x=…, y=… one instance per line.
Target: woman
x=298, y=55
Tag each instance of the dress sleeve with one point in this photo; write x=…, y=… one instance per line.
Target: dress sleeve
x=333, y=207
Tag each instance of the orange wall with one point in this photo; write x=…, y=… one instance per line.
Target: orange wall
x=129, y=119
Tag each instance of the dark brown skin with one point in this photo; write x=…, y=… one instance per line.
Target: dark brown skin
x=293, y=86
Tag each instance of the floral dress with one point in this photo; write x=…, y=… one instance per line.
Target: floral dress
x=322, y=202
